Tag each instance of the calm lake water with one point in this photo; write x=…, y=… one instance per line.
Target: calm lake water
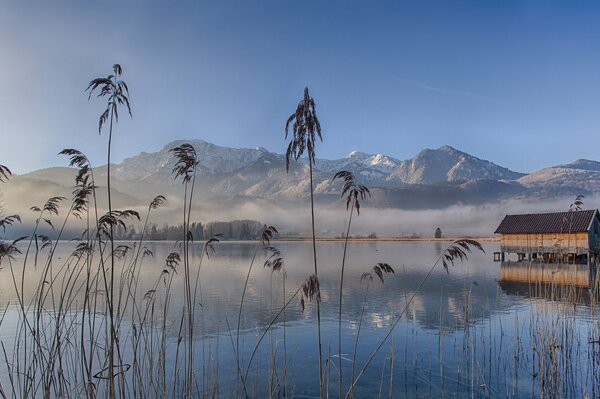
x=465, y=334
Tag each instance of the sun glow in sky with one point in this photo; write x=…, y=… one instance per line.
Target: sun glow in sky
x=514, y=82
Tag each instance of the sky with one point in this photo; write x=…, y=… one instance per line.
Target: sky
x=513, y=82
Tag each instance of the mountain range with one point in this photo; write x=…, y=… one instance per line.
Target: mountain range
x=432, y=179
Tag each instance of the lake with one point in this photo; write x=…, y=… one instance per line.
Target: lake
x=478, y=330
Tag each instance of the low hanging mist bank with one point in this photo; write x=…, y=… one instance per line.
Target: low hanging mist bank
x=292, y=220
x=456, y=220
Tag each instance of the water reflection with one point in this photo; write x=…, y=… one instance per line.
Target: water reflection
x=440, y=304
x=438, y=248
x=550, y=281
x=546, y=273
x=460, y=323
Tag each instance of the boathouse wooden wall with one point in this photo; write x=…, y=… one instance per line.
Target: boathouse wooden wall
x=577, y=243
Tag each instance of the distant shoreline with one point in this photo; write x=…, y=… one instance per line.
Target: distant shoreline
x=389, y=239
x=330, y=239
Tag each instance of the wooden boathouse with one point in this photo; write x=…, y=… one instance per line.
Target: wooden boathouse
x=559, y=237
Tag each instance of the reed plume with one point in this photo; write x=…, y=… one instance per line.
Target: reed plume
x=5, y=173
x=457, y=250
x=185, y=168
x=117, y=94
x=354, y=193
x=305, y=128
x=379, y=270
x=266, y=236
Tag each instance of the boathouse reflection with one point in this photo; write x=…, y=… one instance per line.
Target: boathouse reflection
x=576, y=283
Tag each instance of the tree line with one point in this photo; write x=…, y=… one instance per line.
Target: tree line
x=233, y=230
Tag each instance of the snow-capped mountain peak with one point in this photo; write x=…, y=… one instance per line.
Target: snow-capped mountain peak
x=357, y=154
x=212, y=159
x=449, y=164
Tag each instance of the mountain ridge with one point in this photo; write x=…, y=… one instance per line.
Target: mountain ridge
x=436, y=177
x=380, y=169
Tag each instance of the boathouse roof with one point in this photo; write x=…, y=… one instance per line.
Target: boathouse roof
x=539, y=223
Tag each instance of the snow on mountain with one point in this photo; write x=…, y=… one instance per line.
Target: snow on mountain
x=361, y=160
x=428, y=167
x=371, y=169
x=583, y=174
x=449, y=164
x=433, y=178
x=213, y=159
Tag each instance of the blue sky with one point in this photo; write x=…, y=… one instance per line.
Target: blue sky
x=514, y=82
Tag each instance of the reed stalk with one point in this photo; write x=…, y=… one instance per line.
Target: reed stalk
x=305, y=128
x=456, y=250
x=354, y=192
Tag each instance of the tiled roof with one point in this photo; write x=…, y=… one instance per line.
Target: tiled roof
x=536, y=223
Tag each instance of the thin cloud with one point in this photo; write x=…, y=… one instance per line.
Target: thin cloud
x=443, y=90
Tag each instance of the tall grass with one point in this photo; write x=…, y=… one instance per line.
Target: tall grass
x=353, y=192
x=117, y=93
x=185, y=167
x=378, y=270
x=305, y=129
x=276, y=263
x=54, y=329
